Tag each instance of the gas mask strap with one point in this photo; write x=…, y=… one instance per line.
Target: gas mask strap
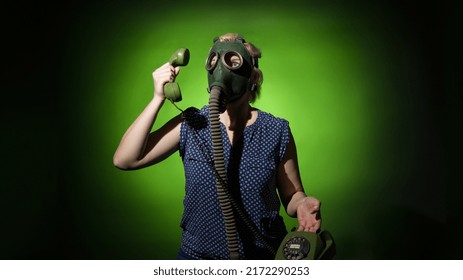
x=255, y=61
x=240, y=38
x=253, y=87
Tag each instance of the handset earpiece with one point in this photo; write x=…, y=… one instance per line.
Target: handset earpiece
x=180, y=57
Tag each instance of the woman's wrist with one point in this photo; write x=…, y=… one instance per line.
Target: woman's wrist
x=158, y=99
x=296, y=200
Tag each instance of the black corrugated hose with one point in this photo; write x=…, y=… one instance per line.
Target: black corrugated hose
x=221, y=174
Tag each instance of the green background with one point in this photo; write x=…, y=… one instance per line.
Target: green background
x=367, y=87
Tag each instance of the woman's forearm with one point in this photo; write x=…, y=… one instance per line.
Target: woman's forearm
x=132, y=144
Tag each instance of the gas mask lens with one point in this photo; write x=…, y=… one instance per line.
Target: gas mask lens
x=211, y=61
x=232, y=60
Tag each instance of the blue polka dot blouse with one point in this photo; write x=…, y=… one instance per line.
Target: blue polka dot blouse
x=251, y=172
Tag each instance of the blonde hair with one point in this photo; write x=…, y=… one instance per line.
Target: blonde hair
x=256, y=77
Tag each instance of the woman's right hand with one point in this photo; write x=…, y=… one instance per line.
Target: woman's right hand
x=164, y=74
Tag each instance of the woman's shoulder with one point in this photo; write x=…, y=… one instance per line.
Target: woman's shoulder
x=196, y=118
x=269, y=118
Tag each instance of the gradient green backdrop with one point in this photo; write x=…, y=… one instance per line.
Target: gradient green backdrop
x=355, y=81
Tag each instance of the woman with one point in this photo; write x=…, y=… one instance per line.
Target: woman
x=259, y=158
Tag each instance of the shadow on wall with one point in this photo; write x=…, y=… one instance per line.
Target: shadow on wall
x=391, y=236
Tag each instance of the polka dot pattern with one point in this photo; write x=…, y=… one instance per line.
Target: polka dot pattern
x=251, y=170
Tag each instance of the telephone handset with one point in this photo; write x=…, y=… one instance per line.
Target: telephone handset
x=180, y=57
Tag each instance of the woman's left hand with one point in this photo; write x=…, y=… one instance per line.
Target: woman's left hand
x=308, y=214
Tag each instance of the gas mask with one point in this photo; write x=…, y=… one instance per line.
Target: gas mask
x=229, y=66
